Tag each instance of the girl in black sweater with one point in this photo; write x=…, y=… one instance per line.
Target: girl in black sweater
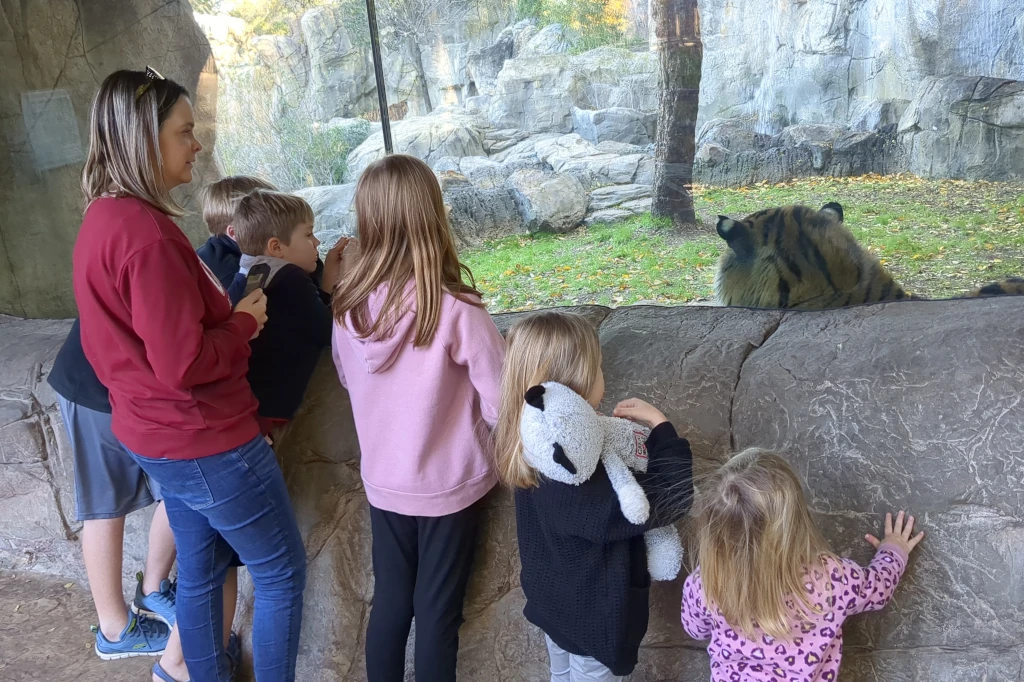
x=584, y=566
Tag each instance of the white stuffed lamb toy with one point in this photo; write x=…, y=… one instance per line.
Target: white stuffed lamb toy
x=564, y=438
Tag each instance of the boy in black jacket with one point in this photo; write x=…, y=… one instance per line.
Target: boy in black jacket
x=279, y=254
x=221, y=252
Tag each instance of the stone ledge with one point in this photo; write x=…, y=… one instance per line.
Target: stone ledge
x=911, y=404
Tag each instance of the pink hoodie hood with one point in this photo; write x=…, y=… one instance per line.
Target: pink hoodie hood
x=423, y=415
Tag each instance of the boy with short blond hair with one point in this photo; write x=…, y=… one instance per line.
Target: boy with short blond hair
x=219, y=200
x=274, y=231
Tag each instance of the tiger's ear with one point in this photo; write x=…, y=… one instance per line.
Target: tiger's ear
x=834, y=207
x=729, y=229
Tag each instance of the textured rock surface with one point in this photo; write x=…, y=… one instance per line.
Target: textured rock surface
x=615, y=124
x=444, y=133
x=548, y=202
x=960, y=127
x=819, y=62
x=57, y=53
x=907, y=404
x=732, y=154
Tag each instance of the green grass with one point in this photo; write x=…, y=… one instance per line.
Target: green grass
x=939, y=238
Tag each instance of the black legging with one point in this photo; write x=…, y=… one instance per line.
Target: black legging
x=421, y=566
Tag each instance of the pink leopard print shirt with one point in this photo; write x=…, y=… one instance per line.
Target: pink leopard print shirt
x=813, y=652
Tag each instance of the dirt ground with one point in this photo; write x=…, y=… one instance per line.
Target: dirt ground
x=45, y=637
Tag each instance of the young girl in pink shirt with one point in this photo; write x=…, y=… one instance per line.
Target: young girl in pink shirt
x=768, y=592
x=421, y=359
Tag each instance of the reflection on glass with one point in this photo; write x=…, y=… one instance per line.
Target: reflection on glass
x=562, y=132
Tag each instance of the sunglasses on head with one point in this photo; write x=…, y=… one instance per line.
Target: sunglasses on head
x=153, y=75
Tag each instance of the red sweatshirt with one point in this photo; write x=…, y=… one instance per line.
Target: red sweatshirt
x=159, y=330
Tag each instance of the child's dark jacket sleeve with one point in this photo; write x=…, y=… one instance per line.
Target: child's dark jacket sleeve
x=591, y=510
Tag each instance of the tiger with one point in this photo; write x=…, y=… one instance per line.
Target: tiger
x=796, y=257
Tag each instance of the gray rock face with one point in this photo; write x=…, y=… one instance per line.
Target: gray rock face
x=616, y=124
x=537, y=93
x=966, y=127
x=55, y=55
x=548, y=202
x=333, y=209
x=812, y=62
x=573, y=155
x=484, y=65
x=444, y=133
x=552, y=39
x=480, y=213
x=340, y=74
x=909, y=405
x=731, y=154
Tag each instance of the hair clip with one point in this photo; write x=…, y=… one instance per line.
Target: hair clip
x=153, y=75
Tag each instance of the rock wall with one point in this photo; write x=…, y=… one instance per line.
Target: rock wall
x=55, y=54
x=795, y=61
x=913, y=404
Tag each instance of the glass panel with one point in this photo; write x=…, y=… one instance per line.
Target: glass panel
x=542, y=119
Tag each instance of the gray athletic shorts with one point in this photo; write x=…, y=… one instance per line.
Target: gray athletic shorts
x=108, y=483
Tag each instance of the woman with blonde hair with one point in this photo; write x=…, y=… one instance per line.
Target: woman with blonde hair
x=421, y=360
x=161, y=334
x=768, y=592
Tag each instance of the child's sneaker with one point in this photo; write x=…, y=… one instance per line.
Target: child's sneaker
x=158, y=605
x=141, y=637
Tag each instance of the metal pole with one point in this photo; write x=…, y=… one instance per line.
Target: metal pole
x=378, y=70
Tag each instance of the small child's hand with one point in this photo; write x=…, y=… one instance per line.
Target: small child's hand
x=897, y=534
x=639, y=411
x=332, y=265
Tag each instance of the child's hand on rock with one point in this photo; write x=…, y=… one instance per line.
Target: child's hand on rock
x=897, y=534
x=639, y=411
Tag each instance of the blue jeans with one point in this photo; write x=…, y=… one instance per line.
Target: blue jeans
x=234, y=500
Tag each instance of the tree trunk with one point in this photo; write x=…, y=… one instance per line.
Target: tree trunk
x=680, y=53
x=416, y=52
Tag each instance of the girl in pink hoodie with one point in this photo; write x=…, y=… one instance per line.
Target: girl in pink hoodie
x=421, y=359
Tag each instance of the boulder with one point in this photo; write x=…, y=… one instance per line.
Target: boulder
x=481, y=213
x=548, y=202
x=615, y=124
x=877, y=407
x=572, y=155
x=613, y=195
x=333, y=210
x=452, y=133
x=488, y=174
x=552, y=39
x=733, y=134
x=965, y=127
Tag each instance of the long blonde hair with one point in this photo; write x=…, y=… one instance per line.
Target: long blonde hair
x=403, y=235
x=124, y=139
x=546, y=346
x=755, y=543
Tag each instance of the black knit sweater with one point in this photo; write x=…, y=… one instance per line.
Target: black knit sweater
x=584, y=566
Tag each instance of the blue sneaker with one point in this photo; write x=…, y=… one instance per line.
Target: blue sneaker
x=141, y=637
x=158, y=605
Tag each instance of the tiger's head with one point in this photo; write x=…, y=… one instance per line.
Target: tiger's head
x=796, y=257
